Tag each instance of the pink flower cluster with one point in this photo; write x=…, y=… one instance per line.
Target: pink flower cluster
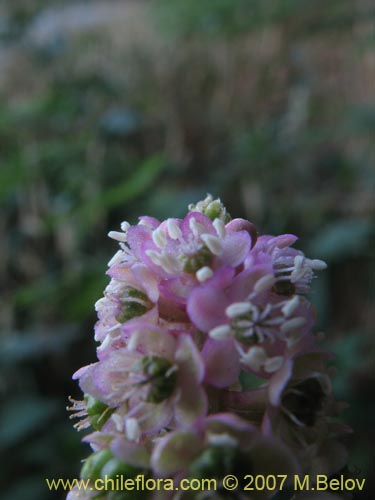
x=207, y=362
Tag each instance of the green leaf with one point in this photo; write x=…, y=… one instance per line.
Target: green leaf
x=127, y=191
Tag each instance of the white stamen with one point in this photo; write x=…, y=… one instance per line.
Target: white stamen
x=262, y=333
x=273, y=364
x=116, y=259
x=290, y=306
x=298, y=262
x=195, y=227
x=146, y=223
x=118, y=421
x=132, y=429
x=255, y=358
x=113, y=327
x=173, y=229
x=255, y=314
x=222, y=440
x=318, y=265
x=77, y=405
x=99, y=304
x=266, y=312
x=274, y=321
x=124, y=226
x=156, y=257
x=213, y=243
x=106, y=342
x=204, y=274
x=82, y=424
x=79, y=414
x=300, y=268
x=169, y=263
x=159, y=238
x=293, y=324
x=292, y=339
x=237, y=309
x=243, y=323
x=171, y=370
x=264, y=283
x=116, y=235
x=220, y=227
x=221, y=332
x=139, y=406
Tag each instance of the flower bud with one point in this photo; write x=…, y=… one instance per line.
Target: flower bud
x=93, y=464
x=97, y=411
x=214, y=209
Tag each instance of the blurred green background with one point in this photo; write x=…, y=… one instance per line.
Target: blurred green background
x=114, y=109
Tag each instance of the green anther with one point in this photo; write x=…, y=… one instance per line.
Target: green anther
x=134, y=303
x=131, y=310
x=194, y=262
x=162, y=384
x=98, y=412
x=134, y=293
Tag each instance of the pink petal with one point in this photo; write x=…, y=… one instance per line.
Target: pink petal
x=279, y=381
x=206, y=303
x=243, y=283
x=249, y=401
x=230, y=421
x=156, y=416
x=236, y=246
x=120, y=272
x=283, y=241
x=79, y=373
x=200, y=219
x=191, y=404
x=236, y=225
x=189, y=360
x=137, y=236
x=130, y=452
x=175, y=452
x=151, y=340
x=147, y=280
x=221, y=362
x=149, y=221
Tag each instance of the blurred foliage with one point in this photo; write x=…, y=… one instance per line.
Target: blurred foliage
x=229, y=17
x=110, y=110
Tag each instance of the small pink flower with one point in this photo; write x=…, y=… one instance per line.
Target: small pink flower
x=156, y=379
